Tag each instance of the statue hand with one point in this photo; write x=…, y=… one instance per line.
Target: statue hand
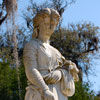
x=54, y=77
x=48, y=95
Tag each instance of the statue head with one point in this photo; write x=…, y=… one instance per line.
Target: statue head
x=43, y=15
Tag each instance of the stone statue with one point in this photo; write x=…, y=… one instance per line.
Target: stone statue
x=50, y=76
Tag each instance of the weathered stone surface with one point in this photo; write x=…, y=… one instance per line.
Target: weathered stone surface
x=50, y=76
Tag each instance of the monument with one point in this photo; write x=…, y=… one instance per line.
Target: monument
x=50, y=76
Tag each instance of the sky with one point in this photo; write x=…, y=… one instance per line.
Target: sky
x=79, y=12
x=83, y=10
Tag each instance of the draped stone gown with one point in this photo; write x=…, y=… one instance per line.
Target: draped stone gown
x=46, y=59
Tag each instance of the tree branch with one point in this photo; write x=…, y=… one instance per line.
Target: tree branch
x=3, y=19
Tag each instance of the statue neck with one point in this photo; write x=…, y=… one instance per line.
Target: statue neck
x=44, y=39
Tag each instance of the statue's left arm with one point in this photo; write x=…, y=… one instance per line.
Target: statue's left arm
x=66, y=74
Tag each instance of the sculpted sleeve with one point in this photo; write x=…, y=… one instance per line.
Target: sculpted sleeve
x=29, y=55
x=29, y=60
x=31, y=64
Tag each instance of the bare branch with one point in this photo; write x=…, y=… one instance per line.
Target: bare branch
x=3, y=19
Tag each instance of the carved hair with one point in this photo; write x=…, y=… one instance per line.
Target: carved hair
x=46, y=12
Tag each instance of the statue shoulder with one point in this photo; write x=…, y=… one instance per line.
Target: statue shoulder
x=56, y=51
x=58, y=54
x=32, y=44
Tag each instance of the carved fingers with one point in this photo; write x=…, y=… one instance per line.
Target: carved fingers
x=54, y=77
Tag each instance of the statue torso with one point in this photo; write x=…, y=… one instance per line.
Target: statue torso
x=48, y=57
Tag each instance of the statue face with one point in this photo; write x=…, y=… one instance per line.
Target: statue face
x=47, y=26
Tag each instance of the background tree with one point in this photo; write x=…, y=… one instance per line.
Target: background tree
x=8, y=82
x=76, y=43
x=10, y=7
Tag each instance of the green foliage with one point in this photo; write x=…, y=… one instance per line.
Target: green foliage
x=23, y=81
x=9, y=84
x=83, y=92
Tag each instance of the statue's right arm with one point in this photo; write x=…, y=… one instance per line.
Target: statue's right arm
x=30, y=63
x=33, y=75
